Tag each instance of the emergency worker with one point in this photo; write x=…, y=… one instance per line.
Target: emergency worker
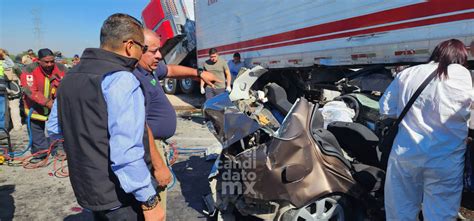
x=40, y=81
x=5, y=61
x=426, y=164
x=160, y=115
x=7, y=72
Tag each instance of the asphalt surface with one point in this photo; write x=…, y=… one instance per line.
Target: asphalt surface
x=36, y=194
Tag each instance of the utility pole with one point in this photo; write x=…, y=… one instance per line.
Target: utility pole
x=37, y=30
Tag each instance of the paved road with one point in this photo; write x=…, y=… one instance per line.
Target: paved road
x=191, y=170
x=37, y=195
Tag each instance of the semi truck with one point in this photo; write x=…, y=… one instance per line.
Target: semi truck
x=174, y=22
x=306, y=47
x=296, y=38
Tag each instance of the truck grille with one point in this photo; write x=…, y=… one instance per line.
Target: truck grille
x=171, y=8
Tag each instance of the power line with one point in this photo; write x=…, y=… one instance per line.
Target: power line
x=37, y=29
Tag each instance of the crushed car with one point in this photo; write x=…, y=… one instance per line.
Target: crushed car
x=285, y=160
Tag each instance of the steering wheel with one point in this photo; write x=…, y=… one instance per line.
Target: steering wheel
x=351, y=102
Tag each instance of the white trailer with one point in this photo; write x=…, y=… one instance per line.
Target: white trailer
x=302, y=33
x=296, y=35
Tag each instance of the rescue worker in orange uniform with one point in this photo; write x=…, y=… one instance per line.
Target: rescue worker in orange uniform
x=40, y=81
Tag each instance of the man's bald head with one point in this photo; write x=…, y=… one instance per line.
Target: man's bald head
x=149, y=60
x=151, y=38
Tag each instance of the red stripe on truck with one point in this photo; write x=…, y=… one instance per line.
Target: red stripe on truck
x=415, y=11
x=412, y=24
x=406, y=52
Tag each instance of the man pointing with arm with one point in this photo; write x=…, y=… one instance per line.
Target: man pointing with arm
x=160, y=115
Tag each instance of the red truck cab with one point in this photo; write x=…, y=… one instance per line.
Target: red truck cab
x=173, y=21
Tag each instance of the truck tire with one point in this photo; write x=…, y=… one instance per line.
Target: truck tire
x=187, y=85
x=170, y=86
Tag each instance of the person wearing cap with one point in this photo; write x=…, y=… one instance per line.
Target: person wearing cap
x=29, y=58
x=59, y=58
x=75, y=60
x=40, y=81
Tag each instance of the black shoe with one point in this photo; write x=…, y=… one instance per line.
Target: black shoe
x=57, y=149
x=37, y=159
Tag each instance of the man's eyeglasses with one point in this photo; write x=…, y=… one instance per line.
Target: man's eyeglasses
x=143, y=47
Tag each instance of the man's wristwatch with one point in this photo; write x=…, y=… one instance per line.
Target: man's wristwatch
x=151, y=203
x=199, y=72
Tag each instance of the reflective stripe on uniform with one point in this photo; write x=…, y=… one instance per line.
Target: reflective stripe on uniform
x=36, y=116
x=45, y=109
x=2, y=71
x=46, y=94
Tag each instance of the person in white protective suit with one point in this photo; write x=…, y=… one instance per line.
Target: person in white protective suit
x=426, y=163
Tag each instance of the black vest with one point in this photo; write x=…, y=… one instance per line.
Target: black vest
x=82, y=113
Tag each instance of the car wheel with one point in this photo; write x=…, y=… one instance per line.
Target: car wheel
x=187, y=85
x=327, y=208
x=170, y=86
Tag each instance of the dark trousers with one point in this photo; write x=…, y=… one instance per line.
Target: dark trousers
x=126, y=213
x=212, y=92
x=40, y=141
